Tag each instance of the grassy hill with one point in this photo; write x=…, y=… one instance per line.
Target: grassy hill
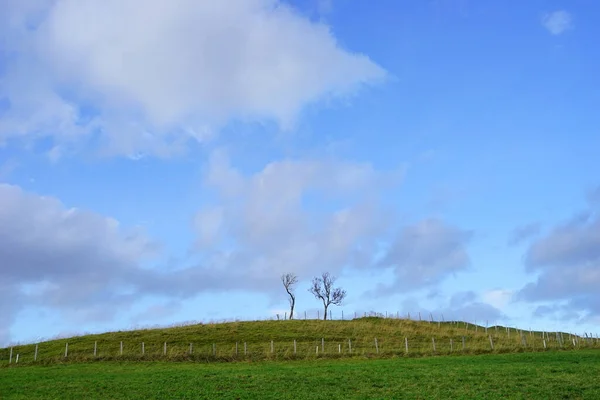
x=274, y=340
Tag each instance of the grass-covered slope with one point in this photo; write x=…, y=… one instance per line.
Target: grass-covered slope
x=258, y=340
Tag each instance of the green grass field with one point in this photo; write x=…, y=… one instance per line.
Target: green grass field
x=541, y=375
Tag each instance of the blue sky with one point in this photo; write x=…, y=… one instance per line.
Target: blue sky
x=163, y=162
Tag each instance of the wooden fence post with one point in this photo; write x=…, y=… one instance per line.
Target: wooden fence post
x=433, y=341
x=406, y=344
x=451, y=346
x=294, y=346
x=35, y=354
x=66, y=349
x=272, y=347
x=245, y=349
x=121, y=349
x=10, y=358
x=349, y=346
x=376, y=346
x=143, y=348
x=165, y=349
x=95, y=348
x=491, y=342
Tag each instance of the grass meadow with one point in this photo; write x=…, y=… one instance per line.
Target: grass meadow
x=380, y=358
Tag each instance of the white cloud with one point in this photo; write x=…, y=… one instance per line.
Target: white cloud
x=68, y=259
x=424, y=253
x=557, y=22
x=267, y=222
x=148, y=75
x=567, y=261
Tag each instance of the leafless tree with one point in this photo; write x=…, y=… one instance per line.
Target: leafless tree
x=289, y=282
x=322, y=288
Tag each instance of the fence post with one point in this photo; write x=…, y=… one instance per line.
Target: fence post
x=451, y=346
x=95, y=348
x=165, y=349
x=143, y=348
x=66, y=349
x=339, y=348
x=192, y=348
x=342, y=315
x=376, y=346
x=245, y=349
x=17, y=360
x=294, y=346
x=491, y=343
x=36, y=351
x=544, y=343
x=323, y=345
x=406, y=344
x=272, y=347
x=10, y=358
x=121, y=349
x=433, y=341
x=463, y=342
x=349, y=346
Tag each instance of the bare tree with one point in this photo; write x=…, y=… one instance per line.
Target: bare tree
x=289, y=281
x=322, y=288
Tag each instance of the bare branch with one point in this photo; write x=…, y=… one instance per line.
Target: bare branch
x=289, y=281
x=322, y=288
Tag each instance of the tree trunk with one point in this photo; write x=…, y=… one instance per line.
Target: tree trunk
x=325, y=314
x=293, y=302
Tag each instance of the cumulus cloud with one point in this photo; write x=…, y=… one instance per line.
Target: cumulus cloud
x=303, y=216
x=67, y=259
x=557, y=22
x=146, y=76
x=567, y=261
x=426, y=252
x=523, y=233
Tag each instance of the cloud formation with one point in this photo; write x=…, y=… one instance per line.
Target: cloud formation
x=148, y=75
x=66, y=259
x=301, y=216
x=567, y=260
x=557, y=22
x=426, y=252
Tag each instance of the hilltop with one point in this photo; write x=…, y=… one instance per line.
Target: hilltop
x=294, y=339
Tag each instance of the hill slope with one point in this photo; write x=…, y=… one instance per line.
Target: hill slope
x=256, y=340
